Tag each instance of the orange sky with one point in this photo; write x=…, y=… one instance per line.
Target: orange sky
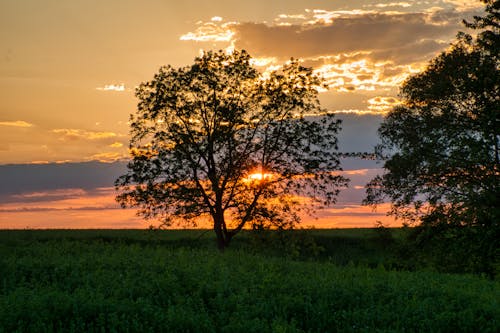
x=101, y=211
x=68, y=71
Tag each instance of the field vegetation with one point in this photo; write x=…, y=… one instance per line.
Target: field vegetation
x=177, y=281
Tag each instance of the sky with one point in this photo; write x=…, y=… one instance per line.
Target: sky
x=68, y=70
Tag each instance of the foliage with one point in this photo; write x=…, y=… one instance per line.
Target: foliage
x=220, y=139
x=489, y=37
x=294, y=244
x=444, y=171
x=94, y=281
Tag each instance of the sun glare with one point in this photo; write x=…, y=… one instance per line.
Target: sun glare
x=258, y=176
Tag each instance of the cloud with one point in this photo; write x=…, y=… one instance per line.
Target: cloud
x=112, y=87
x=353, y=32
x=465, y=5
x=382, y=104
x=25, y=145
x=32, y=178
x=17, y=123
x=356, y=112
x=48, y=195
x=392, y=4
x=359, y=172
x=320, y=32
x=288, y=17
x=263, y=61
x=108, y=157
x=357, y=71
x=353, y=50
x=366, y=71
x=116, y=145
x=54, y=209
x=61, y=199
x=68, y=192
x=213, y=31
x=321, y=16
x=417, y=51
x=67, y=208
x=67, y=134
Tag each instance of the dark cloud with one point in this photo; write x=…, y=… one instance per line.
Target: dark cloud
x=52, y=209
x=370, y=31
x=47, y=195
x=19, y=179
x=420, y=50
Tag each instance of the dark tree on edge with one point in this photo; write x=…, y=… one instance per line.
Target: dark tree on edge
x=218, y=139
x=443, y=172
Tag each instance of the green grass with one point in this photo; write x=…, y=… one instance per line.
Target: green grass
x=176, y=281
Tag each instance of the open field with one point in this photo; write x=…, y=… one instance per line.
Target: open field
x=176, y=281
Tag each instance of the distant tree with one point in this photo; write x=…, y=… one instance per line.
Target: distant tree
x=442, y=143
x=218, y=139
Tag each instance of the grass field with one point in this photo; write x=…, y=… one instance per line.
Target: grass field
x=176, y=281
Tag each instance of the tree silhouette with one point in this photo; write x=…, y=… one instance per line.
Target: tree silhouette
x=218, y=139
x=443, y=142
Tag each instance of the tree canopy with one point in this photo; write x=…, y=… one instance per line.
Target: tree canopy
x=219, y=139
x=443, y=141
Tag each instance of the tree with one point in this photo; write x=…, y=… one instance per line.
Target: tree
x=443, y=143
x=218, y=139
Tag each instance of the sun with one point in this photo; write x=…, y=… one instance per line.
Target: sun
x=258, y=176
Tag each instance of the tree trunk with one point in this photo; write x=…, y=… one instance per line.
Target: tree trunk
x=222, y=238
x=221, y=244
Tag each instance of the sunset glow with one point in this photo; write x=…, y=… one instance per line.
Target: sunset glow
x=68, y=74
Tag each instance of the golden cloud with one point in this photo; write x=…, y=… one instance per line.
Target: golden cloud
x=263, y=61
x=366, y=52
x=381, y=104
x=107, y=157
x=17, y=123
x=321, y=16
x=213, y=31
x=116, y=145
x=346, y=73
x=392, y=4
x=112, y=87
x=347, y=48
x=66, y=134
